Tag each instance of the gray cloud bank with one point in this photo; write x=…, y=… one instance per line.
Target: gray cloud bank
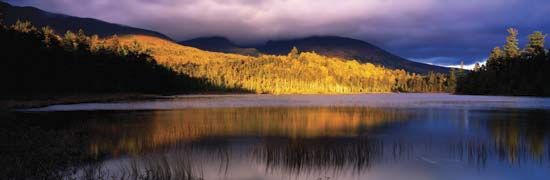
x=433, y=31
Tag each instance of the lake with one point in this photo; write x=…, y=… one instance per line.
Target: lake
x=317, y=137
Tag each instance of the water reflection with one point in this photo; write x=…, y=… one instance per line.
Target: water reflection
x=521, y=132
x=297, y=142
x=112, y=132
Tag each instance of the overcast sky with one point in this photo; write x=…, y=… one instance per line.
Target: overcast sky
x=432, y=31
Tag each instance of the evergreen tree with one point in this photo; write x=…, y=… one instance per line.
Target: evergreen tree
x=70, y=41
x=82, y=40
x=451, y=85
x=511, y=48
x=461, y=69
x=115, y=45
x=49, y=35
x=518, y=75
x=95, y=43
x=536, y=43
x=496, y=56
x=294, y=53
x=477, y=67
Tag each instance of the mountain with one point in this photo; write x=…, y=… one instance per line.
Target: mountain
x=348, y=48
x=61, y=23
x=332, y=46
x=219, y=44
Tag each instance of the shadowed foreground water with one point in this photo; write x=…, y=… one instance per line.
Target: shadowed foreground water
x=393, y=136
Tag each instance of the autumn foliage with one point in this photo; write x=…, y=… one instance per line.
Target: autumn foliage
x=295, y=73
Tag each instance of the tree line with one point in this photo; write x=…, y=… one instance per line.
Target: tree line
x=38, y=61
x=511, y=70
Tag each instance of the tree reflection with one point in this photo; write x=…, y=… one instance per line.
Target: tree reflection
x=151, y=130
x=520, y=134
x=513, y=136
x=192, y=143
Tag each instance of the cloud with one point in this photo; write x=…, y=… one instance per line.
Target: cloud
x=467, y=66
x=416, y=29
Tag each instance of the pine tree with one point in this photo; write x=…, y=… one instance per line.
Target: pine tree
x=95, y=43
x=504, y=74
x=82, y=40
x=294, y=53
x=451, y=83
x=511, y=48
x=115, y=45
x=49, y=35
x=70, y=41
x=536, y=43
x=496, y=56
x=477, y=67
x=461, y=72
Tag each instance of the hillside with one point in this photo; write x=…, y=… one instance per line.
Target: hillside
x=61, y=23
x=294, y=73
x=39, y=62
x=348, y=48
x=219, y=44
x=167, y=52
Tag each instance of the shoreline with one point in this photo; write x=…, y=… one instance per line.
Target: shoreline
x=9, y=104
x=38, y=101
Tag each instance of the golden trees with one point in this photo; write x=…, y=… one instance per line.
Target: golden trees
x=295, y=73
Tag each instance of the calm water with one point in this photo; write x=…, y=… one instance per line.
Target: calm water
x=242, y=137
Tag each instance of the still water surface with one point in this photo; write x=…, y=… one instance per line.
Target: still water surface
x=241, y=137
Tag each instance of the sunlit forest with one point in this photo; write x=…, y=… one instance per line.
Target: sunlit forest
x=296, y=73
x=511, y=70
x=43, y=61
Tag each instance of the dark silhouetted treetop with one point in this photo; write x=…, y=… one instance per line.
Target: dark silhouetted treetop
x=510, y=73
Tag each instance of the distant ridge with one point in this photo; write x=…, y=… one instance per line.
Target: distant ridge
x=219, y=44
x=61, y=23
x=348, y=48
x=333, y=46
